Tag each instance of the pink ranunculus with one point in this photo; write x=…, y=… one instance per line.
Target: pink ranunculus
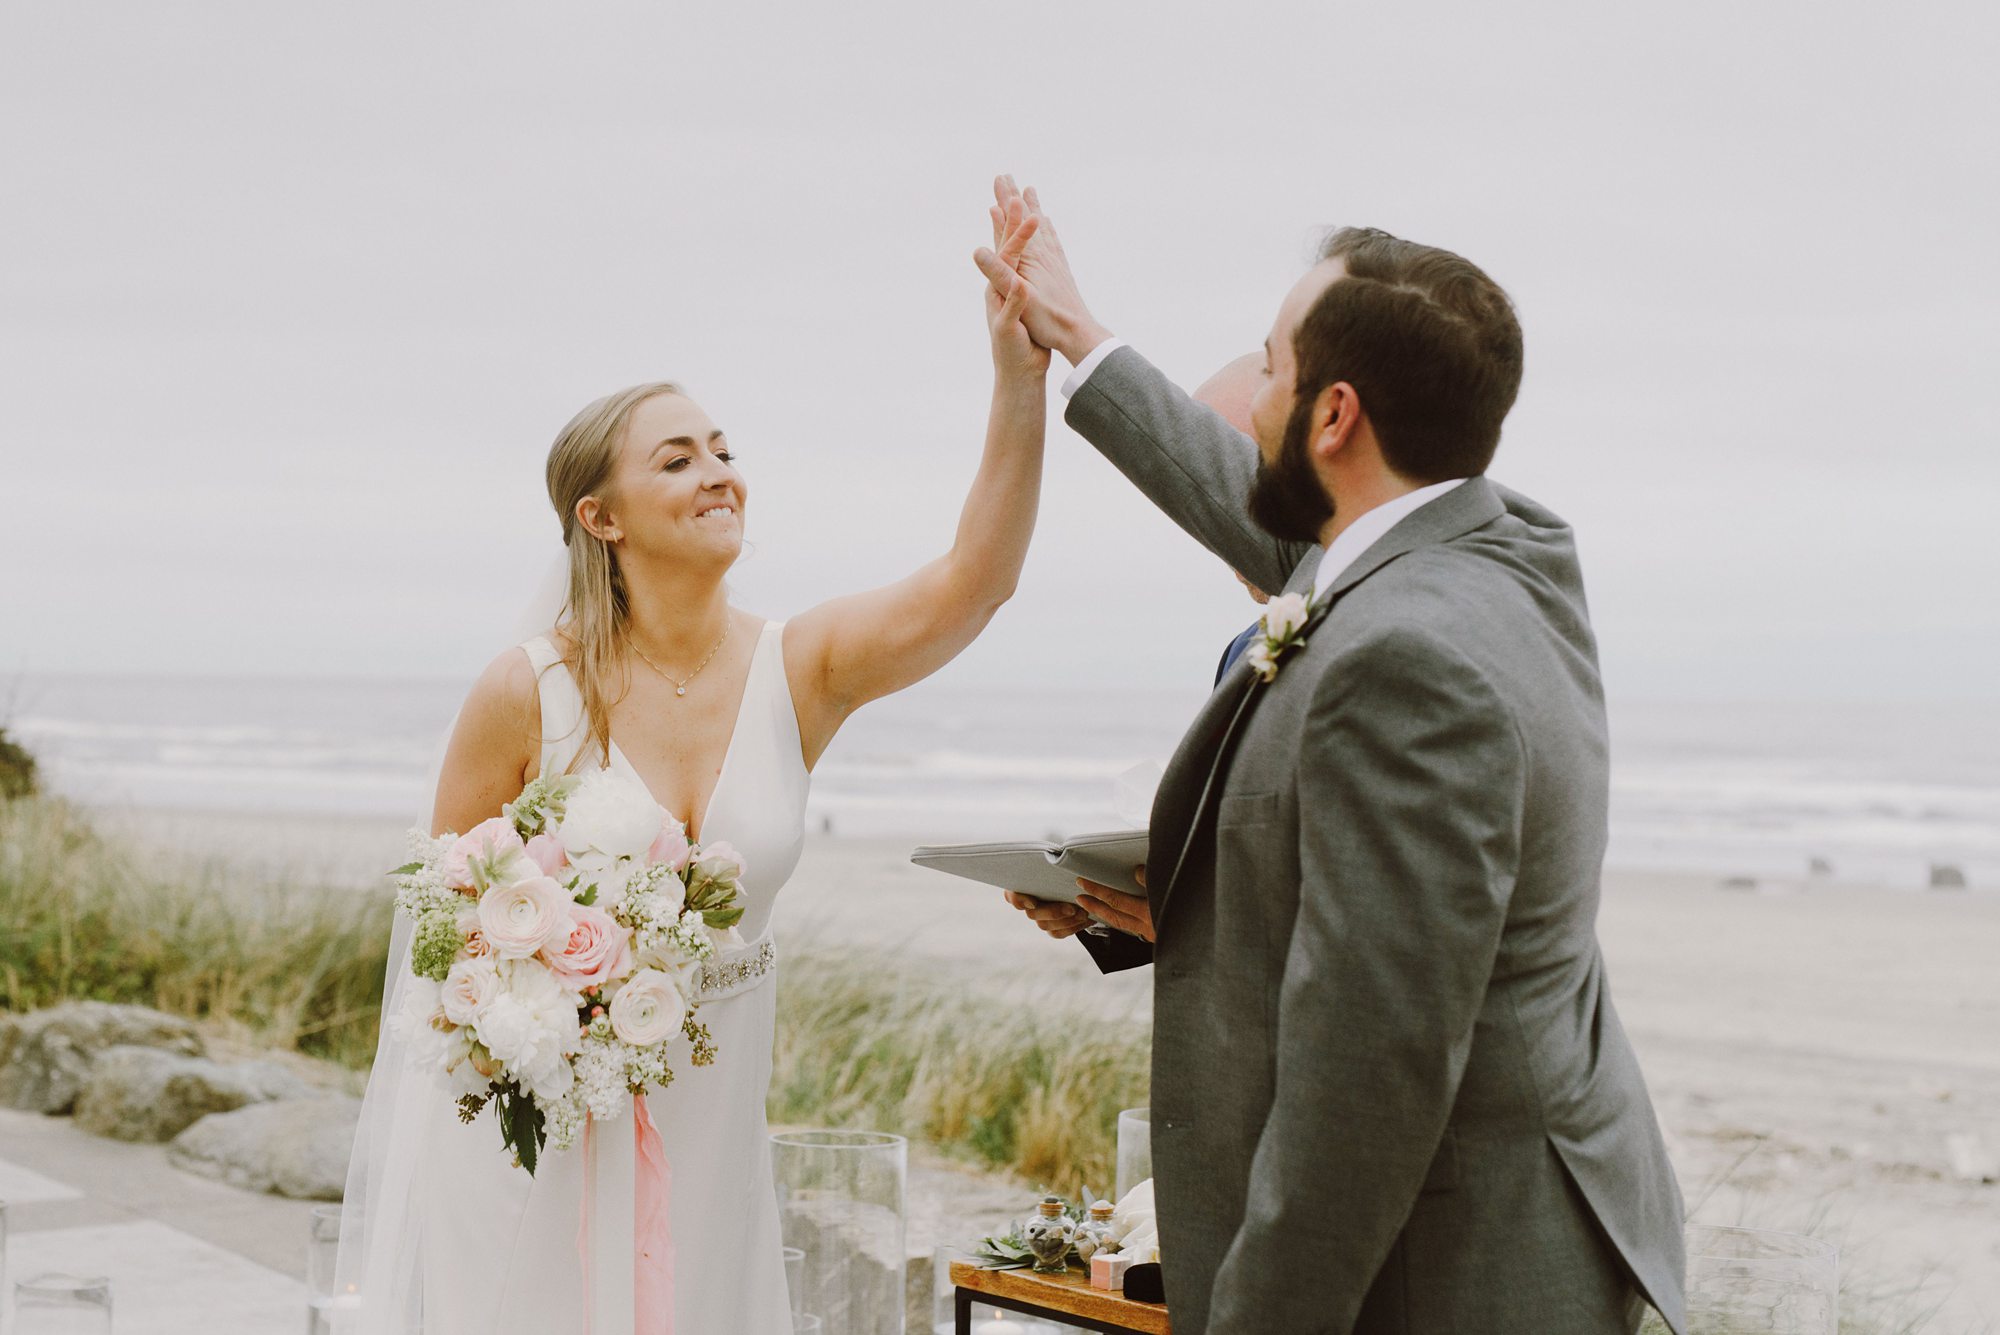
x=598, y=950
x=525, y=917
x=648, y=1009
x=477, y=947
x=493, y=837
x=546, y=852
x=672, y=847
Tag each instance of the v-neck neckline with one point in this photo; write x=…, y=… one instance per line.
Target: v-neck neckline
x=728, y=750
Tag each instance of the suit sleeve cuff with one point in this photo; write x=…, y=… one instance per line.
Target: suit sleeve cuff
x=1089, y=364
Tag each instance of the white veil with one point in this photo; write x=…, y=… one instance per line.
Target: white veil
x=376, y=1278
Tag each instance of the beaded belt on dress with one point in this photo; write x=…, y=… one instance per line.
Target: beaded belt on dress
x=739, y=969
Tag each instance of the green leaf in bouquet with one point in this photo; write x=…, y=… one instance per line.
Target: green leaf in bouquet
x=589, y=895
x=523, y=1128
x=408, y=869
x=722, y=919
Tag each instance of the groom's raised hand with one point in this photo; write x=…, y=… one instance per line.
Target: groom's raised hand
x=1055, y=314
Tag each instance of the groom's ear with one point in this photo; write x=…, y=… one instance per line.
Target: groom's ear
x=1336, y=418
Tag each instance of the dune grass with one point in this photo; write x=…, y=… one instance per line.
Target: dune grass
x=291, y=966
x=866, y=1042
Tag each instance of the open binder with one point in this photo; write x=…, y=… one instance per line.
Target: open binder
x=1043, y=868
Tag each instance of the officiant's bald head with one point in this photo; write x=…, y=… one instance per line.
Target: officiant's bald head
x=1230, y=390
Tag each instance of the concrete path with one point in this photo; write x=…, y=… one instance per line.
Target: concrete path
x=185, y=1255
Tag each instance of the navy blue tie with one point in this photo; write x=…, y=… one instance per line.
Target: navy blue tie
x=1236, y=649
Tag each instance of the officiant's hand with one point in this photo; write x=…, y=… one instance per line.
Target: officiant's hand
x=1058, y=919
x=1115, y=908
x=1054, y=312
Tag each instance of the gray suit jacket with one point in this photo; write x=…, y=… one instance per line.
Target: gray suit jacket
x=1390, y=1093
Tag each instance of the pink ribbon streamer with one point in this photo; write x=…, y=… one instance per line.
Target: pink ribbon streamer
x=652, y=1226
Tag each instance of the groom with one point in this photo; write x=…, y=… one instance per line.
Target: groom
x=1390, y=1093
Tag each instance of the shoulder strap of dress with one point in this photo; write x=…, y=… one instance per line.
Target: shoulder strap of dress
x=563, y=731
x=776, y=688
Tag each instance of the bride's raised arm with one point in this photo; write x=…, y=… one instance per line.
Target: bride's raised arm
x=850, y=650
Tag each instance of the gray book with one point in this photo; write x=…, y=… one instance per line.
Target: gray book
x=1045, y=869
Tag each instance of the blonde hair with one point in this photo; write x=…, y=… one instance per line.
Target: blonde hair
x=594, y=612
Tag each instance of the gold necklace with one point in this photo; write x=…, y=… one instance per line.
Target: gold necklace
x=681, y=683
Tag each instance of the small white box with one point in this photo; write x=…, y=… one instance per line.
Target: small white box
x=1107, y=1270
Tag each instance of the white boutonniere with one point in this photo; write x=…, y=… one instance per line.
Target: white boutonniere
x=1283, y=628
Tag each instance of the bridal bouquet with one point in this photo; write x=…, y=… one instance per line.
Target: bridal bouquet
x=557, y=951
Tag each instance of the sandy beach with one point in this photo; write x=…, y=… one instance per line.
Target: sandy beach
x=1810, y=1045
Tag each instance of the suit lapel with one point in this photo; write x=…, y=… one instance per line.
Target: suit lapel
x=1199, y=768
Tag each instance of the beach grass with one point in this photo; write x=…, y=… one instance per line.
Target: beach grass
x=293, y=966
x=865, y=1041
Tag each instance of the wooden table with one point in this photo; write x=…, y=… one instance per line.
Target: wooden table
x=1067, y=1298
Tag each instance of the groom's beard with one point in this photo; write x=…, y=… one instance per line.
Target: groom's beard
x=1286, y=498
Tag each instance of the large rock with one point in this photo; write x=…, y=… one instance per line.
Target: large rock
x=294, y=1147
x=152, y=1094
x=46, y=1057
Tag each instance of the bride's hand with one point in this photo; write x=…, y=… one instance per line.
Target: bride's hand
x=1015, y=355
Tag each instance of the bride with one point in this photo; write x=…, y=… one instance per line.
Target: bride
x=722, y=716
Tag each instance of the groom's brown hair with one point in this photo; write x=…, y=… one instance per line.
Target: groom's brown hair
x=1430, y=344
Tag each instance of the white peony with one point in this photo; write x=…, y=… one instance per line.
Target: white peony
x=469, y=988
x=1284, y=614
x=507, y=1029
x=612, y=814
x=532, y=1019
x=549, y=1077
x=648, y=1009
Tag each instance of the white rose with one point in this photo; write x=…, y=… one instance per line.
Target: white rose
x=1284, y=614
x=648, y=1009
x=471, y=984
x=525, y=917
x=611, y=814
x=1258, y=656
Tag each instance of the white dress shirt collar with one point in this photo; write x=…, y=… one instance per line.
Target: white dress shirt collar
x=1366, y=531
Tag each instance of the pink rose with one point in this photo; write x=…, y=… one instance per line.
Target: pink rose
x=546, y=852
x=525, y=917
x=598, y=950
x=477, y=947
x=672, y=847
x=491, y=841
x=468, y=989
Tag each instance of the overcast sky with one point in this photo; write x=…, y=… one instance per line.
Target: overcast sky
x=296, y=296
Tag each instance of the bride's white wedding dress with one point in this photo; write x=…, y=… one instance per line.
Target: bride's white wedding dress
x=503, y=1253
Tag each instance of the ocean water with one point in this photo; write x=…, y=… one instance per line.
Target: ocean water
x=1878, y=793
